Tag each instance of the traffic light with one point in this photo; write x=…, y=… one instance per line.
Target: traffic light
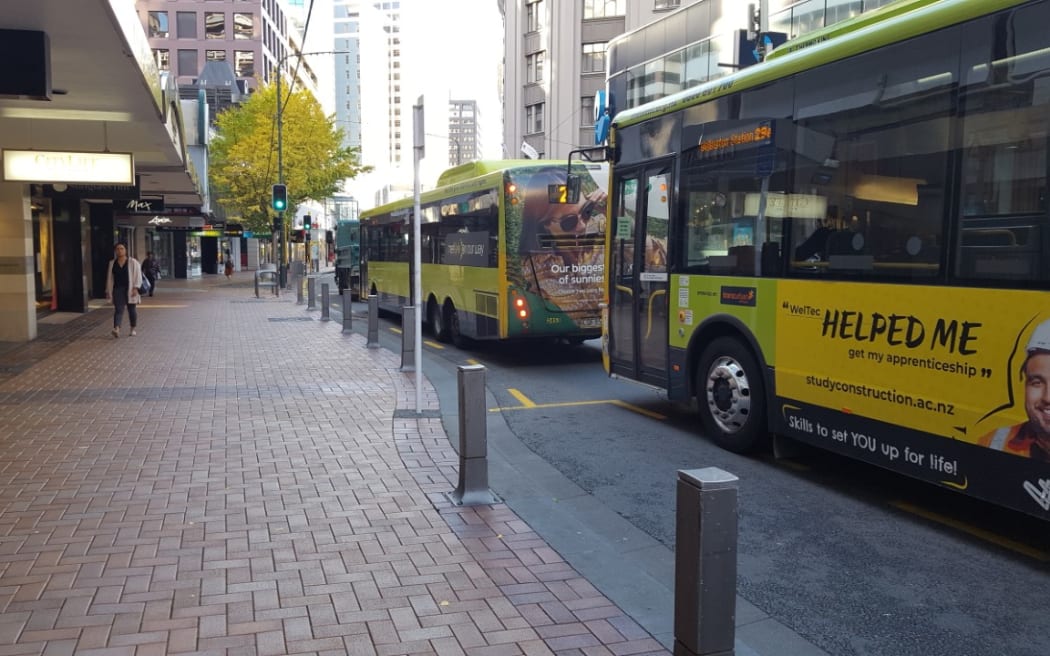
x=280, y=197
x=307, y=221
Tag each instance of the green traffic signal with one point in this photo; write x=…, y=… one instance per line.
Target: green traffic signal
x=307, y=222
x=279, y=200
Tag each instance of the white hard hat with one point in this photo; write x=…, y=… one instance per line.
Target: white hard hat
x=1040, y=339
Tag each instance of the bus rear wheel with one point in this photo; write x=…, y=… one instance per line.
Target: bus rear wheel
x=454, y=334
x=436, y=319
x=731, y=396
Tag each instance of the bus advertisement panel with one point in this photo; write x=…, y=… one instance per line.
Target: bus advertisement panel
x=900, y=365
x=555, y=251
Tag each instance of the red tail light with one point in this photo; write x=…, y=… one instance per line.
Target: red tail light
x=521, y=308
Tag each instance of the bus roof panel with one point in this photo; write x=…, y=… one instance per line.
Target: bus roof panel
x=915, y=22
x=851, y=25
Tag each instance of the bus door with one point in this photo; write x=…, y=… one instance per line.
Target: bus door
x=638, y=307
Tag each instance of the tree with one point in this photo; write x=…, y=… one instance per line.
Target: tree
x=243, y=155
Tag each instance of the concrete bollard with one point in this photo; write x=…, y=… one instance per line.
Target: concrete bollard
x=373, y=321
x=473, y=488
x=408, y=338
x=325, y=310
x=705, y=563
x=348, y=322
x=311, y=293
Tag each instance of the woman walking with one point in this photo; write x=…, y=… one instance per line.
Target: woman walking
x=123, y=279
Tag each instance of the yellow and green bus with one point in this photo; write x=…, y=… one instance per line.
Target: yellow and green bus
x=500, y=258
x=849, y=245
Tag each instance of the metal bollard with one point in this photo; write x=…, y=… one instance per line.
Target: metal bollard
x=705, y=563
x=256, y=284
x=311, y=293
x=408, y=338
x=373, y=321
x=473, y=489
x=299, y=294
x=325, y=310
x=348, y=321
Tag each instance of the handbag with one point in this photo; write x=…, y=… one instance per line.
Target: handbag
x=145, y=286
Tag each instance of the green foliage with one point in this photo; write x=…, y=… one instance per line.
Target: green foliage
x=244, y=155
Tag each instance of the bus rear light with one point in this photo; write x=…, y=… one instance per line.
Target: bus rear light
x=521, y=307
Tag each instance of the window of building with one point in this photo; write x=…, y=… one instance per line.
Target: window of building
x=215, y=55
x=188, y=62
x=534, y=67
x=186, y=24
x=244, y=63
x=666, y=4
x=243, y=25
x=587, y=111
x=594, y=57
x=158, y=24
x=603, y=8
x=534, y=16
x=214, y=25
x=534, y=118
x=163, y=58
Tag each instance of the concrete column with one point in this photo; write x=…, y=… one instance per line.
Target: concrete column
x=17, y=265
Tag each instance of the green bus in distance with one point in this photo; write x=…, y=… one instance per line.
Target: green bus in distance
x=499, y=259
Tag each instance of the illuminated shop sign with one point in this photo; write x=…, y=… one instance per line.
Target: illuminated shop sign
x=71, y=167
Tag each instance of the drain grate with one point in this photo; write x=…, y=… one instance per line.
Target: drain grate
x=291, y=319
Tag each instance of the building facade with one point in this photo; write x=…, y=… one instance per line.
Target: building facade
x=555, y=55
x=464, y=138
x=559, y=54
x=253, y=36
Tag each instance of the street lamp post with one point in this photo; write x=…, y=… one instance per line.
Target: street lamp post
x=282, y=232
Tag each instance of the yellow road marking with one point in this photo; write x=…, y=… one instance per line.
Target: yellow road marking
x=527, y=404
x=791, y=464
x=522, y=399
x=398, y=331
x=472, y=361
x=980, y=533
x=641, y=411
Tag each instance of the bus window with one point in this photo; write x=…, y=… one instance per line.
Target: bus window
x=729, y=231
x=1006, y=123
x=874, y=134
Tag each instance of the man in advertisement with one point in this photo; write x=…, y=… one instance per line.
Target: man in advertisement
x=1030, y=438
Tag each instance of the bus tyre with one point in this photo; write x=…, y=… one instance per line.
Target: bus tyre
x=731, y=397
x=436, y=319
x=454, y=334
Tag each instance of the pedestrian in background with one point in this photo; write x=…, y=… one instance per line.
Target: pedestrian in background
x=151, y=269
x=123, y=279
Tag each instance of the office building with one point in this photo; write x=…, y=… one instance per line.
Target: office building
x=252, y=36
x=464, y=139
x=555, y=64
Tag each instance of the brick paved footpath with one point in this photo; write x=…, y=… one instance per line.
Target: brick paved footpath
x=233, y=480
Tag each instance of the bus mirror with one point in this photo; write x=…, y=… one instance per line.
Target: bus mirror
x=568, y=193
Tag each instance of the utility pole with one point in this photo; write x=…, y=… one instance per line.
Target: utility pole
x=281, y=231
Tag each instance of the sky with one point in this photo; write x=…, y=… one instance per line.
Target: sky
x=453, y=49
